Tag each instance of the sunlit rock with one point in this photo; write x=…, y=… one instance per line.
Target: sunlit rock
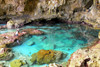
x=46, y=56
x=11, y=39
x=33, y=31
x=72, y=10
x=8, y=39
x=16, y=23
x=99, y=35
x=5, y=54
x=10, y=24
x=17, y=63
x=86, y=56
x=53, y=65
x=95, y=64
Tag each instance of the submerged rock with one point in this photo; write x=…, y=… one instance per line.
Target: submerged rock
x=5, y=54
x=32, y=31
x=30, y=42
x=17, y=63
x=46, y=56
x=11, y=39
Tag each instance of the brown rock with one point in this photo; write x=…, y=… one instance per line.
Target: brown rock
x=33, y=31
x=46, y=56
x=86, y=56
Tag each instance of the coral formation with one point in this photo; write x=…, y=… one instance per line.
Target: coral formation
x=46, y=56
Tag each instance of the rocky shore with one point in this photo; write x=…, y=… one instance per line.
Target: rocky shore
x=21, y=12
x=10, y=39
x=84, y=57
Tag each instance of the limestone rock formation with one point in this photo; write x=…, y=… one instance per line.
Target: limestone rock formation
x=10, y=39
x=5, y=53
x=17, y=63
x=46, y=56
x=99, y=35
x=71, y=10
x=53, y=65
x=32, y=31
x=10, y=24
x=15, y=23
x=89, y=56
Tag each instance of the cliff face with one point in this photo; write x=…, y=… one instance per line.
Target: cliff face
x=30, y=7
x=73, y=10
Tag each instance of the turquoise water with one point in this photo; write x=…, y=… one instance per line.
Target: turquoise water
x=65, y=38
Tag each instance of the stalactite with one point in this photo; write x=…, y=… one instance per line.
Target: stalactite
x=94, y=8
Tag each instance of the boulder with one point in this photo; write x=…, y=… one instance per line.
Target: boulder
x=5, y=54
x=15, y=23
x=16, y=63
x=46, y=56
x=10, y=39
x=30, y=42
x=10, y=24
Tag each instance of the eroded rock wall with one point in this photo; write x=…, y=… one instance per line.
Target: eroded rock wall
x=19, y=7
x=72, y=10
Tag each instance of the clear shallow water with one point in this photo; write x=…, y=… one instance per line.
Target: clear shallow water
x=65, y=38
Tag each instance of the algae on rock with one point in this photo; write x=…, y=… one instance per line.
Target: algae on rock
x=16, y=63
x=46, y=56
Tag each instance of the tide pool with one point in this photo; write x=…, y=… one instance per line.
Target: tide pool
x=56, y=38
x=67, y=39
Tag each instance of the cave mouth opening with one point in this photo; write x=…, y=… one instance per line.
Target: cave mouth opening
x=4, y=21
x=54, y=21
x=44, y=22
